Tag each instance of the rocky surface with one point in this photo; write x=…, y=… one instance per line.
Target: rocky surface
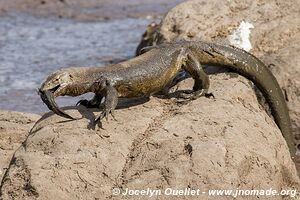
x=226, y=142
x=14, y=128
x=274, y=36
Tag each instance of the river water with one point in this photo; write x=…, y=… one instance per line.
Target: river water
x=32, y=47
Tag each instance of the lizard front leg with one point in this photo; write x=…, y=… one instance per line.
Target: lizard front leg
x=111, y=101
x=201, y=84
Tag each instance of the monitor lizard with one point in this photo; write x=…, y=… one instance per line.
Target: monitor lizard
x=154, y=70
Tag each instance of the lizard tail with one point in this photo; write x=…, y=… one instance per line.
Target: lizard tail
x=252, y=68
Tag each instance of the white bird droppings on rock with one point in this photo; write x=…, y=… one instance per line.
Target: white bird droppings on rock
x=241, y=36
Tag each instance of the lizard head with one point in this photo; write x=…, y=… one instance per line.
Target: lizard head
x=56, y=85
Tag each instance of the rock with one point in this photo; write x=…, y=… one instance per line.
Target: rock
x=14, y=128
x=226, y=142
x=274, y=36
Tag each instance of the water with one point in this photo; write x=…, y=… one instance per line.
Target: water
x=33, y=47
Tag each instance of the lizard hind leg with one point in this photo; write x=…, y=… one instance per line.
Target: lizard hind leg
x=201, y=79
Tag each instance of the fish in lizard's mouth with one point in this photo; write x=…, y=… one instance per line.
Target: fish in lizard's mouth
x=48, y=98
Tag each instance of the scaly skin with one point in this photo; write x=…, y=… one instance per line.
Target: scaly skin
x=147, y=38
x=156, y=69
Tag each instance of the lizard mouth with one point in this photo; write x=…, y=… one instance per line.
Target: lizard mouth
x=55, y=88
x=47, y=97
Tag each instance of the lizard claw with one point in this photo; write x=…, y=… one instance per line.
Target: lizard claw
x=113, y=116
x=105, y=114
x=99, y=118
x=208, y=95
x=192, y=95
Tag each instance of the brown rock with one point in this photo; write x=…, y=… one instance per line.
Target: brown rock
x=14, y=128
x=275, y=37
x=224, y=143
